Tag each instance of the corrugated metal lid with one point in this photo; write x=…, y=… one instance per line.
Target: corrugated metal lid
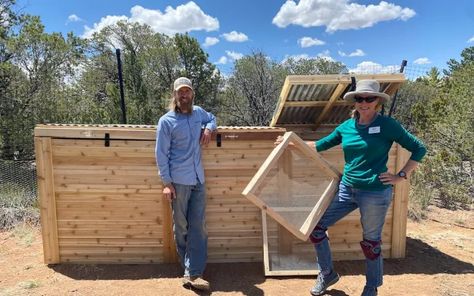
x=142, y=132
x=312, y=100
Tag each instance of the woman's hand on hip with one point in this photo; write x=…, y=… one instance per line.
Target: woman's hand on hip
x=388, y=178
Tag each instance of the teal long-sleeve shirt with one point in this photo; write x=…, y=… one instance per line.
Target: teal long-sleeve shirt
x=366, y=149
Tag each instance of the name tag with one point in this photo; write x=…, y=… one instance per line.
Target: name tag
x=374, y=130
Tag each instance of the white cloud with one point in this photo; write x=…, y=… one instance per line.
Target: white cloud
x=234, y=55
x=422, y=61
x=185, y=18
x=235, y=36
x=323, y=55
x=308, y=42
x=4, y=16
x=104, y=22
x=357, y=53
x=77, y=72
x=471, y=40
x=210, y=41
x=73, y=18
x=222, y=61
x=338, y=14
x=229, y=57
x=297, y=57
x=369, y=67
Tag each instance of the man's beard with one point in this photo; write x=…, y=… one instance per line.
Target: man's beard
x=185, y=107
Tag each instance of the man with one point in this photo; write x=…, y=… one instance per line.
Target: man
x=180, y=134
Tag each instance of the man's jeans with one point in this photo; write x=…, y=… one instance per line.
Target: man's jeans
x=189, y=208
x=373, y=207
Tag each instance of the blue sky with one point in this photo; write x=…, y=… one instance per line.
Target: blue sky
x=357, y=33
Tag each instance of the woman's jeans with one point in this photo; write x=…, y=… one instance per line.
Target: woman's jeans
x=189, y=208
x=373, y=207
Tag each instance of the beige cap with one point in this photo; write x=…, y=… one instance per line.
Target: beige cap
x=182, y=82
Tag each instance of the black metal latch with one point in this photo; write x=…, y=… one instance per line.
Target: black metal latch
x=107, y=140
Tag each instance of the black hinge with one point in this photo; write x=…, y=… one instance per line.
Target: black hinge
x=107, y=140
x=353, y=83
x=219, y=140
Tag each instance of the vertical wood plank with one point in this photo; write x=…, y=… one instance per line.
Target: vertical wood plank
x=283, y=96
x=266, y=254
x=47, y=198
x=400, y=208
x=169, y=250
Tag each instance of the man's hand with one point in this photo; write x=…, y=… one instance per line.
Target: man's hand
x=205, y=137
x=169, y=193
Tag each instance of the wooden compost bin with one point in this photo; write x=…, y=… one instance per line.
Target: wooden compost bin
x=101, y=202
x=100, y=193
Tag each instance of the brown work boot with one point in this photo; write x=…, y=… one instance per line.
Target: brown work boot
x=196, y=282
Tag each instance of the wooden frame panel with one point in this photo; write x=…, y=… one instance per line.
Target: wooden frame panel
x=267, y=264
x=400, y=208
x=302, y=231
x=47, y=197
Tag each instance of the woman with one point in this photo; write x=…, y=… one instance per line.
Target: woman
x=366, y=139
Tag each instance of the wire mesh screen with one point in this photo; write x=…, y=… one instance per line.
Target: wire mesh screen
x=17, y=183
x=411, y=71
x=416, y=71
x=18, y=193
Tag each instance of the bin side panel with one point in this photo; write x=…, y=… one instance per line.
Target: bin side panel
x=47, y=199
x=109, y=205
x=233, y=222
x=400, y=208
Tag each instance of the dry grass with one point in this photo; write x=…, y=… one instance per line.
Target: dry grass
x=17, y=206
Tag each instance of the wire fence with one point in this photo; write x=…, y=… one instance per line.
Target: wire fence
x=411, y=71
x=18, y=193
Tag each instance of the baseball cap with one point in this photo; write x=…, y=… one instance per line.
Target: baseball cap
x=182, y=82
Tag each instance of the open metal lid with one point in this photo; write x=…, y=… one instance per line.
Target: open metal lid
x=313, y=100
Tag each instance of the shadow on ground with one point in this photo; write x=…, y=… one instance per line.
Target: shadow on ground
x=241, y=277
x=421, y=258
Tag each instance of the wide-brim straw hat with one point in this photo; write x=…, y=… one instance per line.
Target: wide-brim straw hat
x=367, y=87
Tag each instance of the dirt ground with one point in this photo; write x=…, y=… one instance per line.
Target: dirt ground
x=439, y=261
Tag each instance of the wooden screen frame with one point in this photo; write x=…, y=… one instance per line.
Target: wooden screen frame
x=266, y=257
x=317, y=211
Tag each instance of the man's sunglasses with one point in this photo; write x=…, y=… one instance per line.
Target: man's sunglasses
x=368, y=99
